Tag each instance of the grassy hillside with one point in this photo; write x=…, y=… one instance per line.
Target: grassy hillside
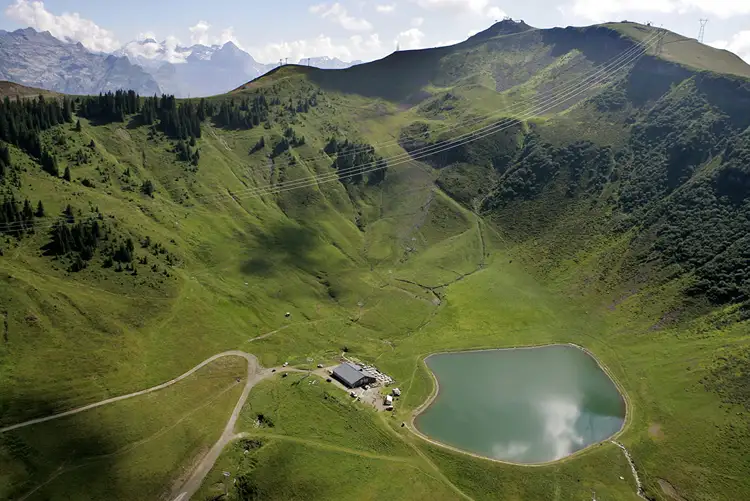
x=615, y=218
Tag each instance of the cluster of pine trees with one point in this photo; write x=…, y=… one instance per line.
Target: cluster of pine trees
x=21, y=121
x=289, y=140
x=245, y=114
x=302, y=106
x=79, y=241
x=177, y=121
x=17, y=219
x=186, y=153
x=353, y=160
x=81, y=238
x=110, y=107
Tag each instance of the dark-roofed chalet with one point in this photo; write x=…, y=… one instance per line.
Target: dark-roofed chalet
x=352, y=376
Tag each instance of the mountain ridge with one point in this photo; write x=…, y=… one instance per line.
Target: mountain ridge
x=40, y=60
x=314, y=212
x=155, y=67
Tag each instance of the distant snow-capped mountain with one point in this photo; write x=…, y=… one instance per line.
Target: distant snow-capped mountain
x=37, y=59
x=198, y=70
x=150, y=67
x=327, y=63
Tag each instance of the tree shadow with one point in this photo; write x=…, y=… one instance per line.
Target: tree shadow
x=135, y=122
x=42, y=453
x=284, y=245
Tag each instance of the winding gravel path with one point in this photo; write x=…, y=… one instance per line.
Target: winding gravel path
x=251, y=361
x=255, y=374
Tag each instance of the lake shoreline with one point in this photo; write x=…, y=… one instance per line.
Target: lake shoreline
x=436, y=390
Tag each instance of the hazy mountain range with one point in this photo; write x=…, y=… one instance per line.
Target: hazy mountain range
x=40, y=60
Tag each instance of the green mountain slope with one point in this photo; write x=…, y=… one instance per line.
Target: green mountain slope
x=610, y=209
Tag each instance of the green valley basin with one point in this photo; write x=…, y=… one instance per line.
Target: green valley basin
x=521, y=405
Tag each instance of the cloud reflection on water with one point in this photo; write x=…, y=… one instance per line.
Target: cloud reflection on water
x=511, y=451
x=560, y=417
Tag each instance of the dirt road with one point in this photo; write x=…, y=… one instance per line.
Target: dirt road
x=252, y=361
x=254, y=374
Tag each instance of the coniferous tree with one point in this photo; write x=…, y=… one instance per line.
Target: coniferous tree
x=66, y=174
x=22, y=120
x=78, y=126
x=49, y=164
x=12, y=220
x=39, y=209
x=67, y=110
x=4, y=160
x=148, y=188
x=27, y=212
x=68, y=212
x=4, y=155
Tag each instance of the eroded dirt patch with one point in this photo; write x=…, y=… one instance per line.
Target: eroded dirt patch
x=670, y=491
x=654, y=431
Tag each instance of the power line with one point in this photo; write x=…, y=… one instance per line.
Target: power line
x=451, y=127
x=660, y=42
x=424, y=152
x=545, y=105
x=575, y=89
x=702, y=30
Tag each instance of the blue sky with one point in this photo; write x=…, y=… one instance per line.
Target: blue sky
x=352, y=29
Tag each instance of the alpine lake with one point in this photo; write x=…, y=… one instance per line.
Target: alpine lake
x=521, y=405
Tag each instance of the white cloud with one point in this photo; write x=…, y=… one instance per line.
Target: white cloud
x=299, y=49
x=410, y=39
x=417, y=22
x=474, y=6
x=605, y=10
x=495, y=13
x=739, y=44
x=338, y=14
x=201, y=34
x=447, y=43
x=385, y=8
x=366, y=48
x=65, y=27
x=146, y=47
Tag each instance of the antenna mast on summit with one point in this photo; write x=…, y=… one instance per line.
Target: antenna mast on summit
x=702, y=30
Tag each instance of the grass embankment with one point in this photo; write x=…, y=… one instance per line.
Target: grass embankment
x=126, y=450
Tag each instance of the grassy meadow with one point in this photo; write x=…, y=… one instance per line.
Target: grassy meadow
x=388, y=271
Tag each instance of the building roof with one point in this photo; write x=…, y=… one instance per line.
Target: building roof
x=350, y=373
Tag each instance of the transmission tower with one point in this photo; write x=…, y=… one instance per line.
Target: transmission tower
x=702, y=30
x=660, y=41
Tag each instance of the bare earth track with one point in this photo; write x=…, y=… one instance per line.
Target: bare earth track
x=255, y=374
